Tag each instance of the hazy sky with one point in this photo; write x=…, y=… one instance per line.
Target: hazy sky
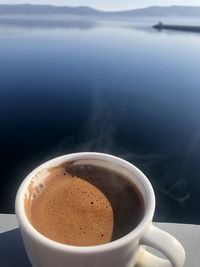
x=106, y=4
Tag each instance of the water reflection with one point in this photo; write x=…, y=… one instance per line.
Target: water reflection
x=47, y=23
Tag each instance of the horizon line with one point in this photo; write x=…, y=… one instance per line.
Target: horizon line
x=101, y=10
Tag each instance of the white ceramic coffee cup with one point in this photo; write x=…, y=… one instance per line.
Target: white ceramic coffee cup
x=127, y=251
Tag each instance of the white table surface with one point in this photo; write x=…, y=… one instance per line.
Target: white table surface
x=12, y=253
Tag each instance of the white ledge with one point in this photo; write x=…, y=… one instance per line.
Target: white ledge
x=12, y=252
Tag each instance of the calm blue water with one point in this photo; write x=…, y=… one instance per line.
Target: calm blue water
x=116, y=87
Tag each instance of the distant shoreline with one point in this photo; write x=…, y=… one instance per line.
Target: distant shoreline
x=152, y=11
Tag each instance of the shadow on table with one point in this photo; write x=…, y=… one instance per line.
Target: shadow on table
x=12, y=250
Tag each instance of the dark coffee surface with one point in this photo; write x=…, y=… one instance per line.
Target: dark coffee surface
x=85, y=205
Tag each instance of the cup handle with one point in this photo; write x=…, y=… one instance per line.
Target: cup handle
x=164, y=243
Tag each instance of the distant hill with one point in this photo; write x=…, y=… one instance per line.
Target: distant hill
x=24, y=9
x=178, y=11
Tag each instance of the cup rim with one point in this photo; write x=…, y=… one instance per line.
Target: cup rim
x=132, y=235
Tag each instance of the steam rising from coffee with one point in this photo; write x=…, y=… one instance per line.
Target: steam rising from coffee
x=101, y=133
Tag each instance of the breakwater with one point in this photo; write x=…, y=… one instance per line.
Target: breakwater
x=161, y=26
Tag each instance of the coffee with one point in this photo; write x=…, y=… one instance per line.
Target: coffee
x=84, y=205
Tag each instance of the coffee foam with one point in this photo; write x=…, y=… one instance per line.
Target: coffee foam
x=36, y=184
x=68, y=209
